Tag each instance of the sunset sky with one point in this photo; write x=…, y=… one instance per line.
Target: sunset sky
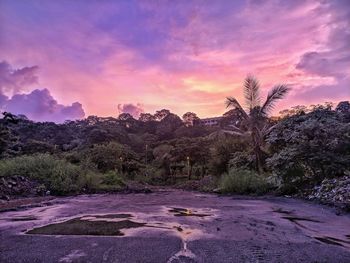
x=69, y=59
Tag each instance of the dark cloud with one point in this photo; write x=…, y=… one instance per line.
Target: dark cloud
x=134, y=110
x=39, y=105
x=13, y=80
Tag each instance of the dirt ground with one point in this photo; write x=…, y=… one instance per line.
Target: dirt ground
x=174, y=226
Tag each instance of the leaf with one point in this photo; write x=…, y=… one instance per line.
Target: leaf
x=251, y=92
x=278, y=92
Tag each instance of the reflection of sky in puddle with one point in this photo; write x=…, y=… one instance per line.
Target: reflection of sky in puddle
x=161, y=221
x=183, y=223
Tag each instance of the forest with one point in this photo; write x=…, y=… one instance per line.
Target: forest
x=245, y=152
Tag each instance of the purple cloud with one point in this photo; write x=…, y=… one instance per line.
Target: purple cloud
x=334, y=61
x=134, y=110
x=13, y=80
x=39, y=105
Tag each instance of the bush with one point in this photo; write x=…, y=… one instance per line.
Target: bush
x=106, y=156
x=151, y=175
x=244, y=182
x=112, y=178
x=59, y=176
x=89, y=181
x=309, y=147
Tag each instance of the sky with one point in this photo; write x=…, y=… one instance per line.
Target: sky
x=70, y=59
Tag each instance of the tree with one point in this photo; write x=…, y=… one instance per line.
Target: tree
x=255, y=119
x=231, y=117
x=125, y=116
x=189, y=118
x=161, y=114
x=310, y=147
x=343, y=106
x=167, y=126
x=7, y=139
x=147, y=117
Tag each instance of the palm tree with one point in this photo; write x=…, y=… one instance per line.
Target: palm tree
x=255, y=117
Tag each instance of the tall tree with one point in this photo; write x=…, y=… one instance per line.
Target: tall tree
x=255, y=118
x=189, y=118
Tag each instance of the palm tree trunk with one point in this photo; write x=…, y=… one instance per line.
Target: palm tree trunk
x=258, y=160
x=257, y=151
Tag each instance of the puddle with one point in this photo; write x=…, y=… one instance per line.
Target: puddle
x=134, y=224
x=22, y=218
x=329, y=240
x=186, y=212
x=295, y=218
x=281, y=211
x=86, y=225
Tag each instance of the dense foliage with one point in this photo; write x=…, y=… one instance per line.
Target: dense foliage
x=310, y=147
x=300, y=148
x=244, y=182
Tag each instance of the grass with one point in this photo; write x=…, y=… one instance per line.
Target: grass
x=243, y=182
x=60, y=176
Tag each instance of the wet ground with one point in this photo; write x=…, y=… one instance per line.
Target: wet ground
x=174, y=226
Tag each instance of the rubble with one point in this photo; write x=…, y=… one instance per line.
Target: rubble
x=334, y=191
x=19, y=186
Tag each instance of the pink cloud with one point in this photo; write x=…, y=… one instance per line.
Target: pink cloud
x=178, y=55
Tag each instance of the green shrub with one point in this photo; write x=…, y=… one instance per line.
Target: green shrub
x=59, y=176
x=243, y=182
x=106, y=157
x=151, y=175
x=112, y=178
x=89, y=181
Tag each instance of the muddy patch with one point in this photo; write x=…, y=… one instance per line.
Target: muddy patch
x=295, y=218
x=88, y=225
x=177, y=211
x=329, y=240
x=22, y=218
x=282, y=211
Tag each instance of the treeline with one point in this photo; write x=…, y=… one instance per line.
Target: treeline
x=300, y=148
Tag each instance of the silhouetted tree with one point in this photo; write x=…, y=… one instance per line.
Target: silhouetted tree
x=146, y=117
x=255, y=122
x=189, y=118
x=161, y=114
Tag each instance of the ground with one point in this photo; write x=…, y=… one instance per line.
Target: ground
x=174, y=226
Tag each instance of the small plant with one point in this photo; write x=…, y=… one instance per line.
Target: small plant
x=112, y=178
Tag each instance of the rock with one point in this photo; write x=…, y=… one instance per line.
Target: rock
x=16, y=185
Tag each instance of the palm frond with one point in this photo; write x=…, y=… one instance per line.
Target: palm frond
x=278, y=92
x=231, y=102
x=251, y=92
